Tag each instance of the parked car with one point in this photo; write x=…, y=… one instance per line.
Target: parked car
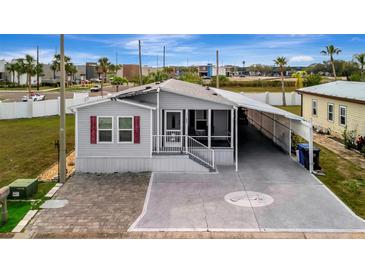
x=95, y=89
x=34, y=97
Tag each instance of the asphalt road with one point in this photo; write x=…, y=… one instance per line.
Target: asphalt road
x=16, y=96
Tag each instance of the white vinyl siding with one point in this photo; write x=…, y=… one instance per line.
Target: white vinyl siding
x=114, y=149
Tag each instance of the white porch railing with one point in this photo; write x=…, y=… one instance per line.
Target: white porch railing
x=185, y=145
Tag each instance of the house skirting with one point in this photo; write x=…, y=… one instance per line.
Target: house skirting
x=162, y=163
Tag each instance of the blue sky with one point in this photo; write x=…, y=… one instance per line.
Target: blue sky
x=197, y=49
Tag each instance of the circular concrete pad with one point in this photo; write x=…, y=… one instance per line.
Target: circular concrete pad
x=248, y=199
x=54, y=203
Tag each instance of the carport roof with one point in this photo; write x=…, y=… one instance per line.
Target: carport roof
x=246, y=102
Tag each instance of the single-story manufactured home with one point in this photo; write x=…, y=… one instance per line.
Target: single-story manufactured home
x=335, y=106
x=174, y=126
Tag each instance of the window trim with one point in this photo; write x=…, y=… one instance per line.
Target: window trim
x=315, y=101
x=196, y=120
x=132, y=130
x=339, y=115
x=333, y=112
x=97, y=130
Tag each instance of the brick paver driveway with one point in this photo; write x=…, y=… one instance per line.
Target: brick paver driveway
x=97, y=203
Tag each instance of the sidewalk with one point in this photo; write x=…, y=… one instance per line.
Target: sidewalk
x=339, y=149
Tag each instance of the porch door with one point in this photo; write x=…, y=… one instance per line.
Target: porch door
x=173, y=128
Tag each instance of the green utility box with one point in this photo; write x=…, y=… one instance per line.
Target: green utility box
x=23, y=188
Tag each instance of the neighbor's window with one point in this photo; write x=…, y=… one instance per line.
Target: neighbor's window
x=343, y=114
x=314, y=107
x=330, y=112
x=201, y=119
x=125, y=129
x=105, y=129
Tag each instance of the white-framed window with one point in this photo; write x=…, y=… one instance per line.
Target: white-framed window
x=201, y=119
x=330, y=112
x=105, y=127
x=314, y=107
x=343, y=115
x=125, y=129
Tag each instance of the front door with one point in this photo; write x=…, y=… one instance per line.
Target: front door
x=173, y=128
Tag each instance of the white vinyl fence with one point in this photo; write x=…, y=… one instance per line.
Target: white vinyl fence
x=275, y=98
x=15, y=110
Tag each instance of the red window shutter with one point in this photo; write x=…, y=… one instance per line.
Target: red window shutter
x=137, y=130
x=92, y=129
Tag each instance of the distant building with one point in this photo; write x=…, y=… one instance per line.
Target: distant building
x=91, y=71
x=335, y=106
x=2, y=70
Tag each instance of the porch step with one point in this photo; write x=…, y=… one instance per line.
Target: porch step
x=202, y=163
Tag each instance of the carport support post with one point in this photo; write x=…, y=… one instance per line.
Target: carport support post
x=310, y=147
x=209, y=128
x=186, y=129
x=158, y=120
x=289, y=150
x=232, y=124
x=236, y=137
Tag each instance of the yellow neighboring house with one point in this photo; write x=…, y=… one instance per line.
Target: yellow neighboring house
x=333, y=106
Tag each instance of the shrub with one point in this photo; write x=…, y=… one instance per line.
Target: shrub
x=312, y=80
x=360, y=143
x=349, y=138
x=362, y=151
x=355, y=77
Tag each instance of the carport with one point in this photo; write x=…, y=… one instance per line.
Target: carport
x=276, y=124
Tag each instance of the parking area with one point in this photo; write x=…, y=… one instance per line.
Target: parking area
x=196, y=202
x=96, y=204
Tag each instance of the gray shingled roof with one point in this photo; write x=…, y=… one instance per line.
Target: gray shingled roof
x=341, y=89
x=178, y=87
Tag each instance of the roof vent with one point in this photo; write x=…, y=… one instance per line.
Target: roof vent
x=215, y=94
x=147, y=87
x=207, y=88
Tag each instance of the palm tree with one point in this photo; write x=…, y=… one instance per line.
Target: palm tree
x=300, y=75
x=330, y=51
x=70, y=69
x=117, y=81
x=11, y=67
x=103, y=67
x=56, y=63
x=19, y=68
x=30, y=68
x=360, y=59
x=282, y=62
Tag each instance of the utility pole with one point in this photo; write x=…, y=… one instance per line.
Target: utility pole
x=217, y=76
x=140, y=62
x=62, y=160
x=164, y=56
x=37, y=68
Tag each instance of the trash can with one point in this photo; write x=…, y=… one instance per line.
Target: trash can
x=304, y=156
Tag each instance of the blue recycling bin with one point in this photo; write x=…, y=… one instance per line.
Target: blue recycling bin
x=304, y=156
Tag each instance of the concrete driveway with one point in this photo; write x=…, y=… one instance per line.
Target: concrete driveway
x=195, y=202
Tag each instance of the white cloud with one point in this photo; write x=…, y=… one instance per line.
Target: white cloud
x=301, y=58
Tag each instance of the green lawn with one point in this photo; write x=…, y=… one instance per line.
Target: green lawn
x=345, y=179
x=27, y=146
x=258, y=89
x=16, y=212
x=293, y=109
